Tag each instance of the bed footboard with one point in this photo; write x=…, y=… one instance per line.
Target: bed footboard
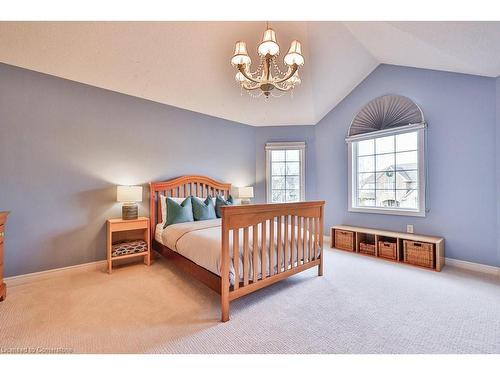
x=285, y=239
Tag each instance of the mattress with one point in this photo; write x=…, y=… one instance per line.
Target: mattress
x=200, y=242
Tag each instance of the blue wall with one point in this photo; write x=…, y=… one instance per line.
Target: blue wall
x=64, y=147
x=460, y=111
x=463, y=114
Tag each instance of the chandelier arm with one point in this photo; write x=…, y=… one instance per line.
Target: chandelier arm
x=255, y=75
x=241, y=68
x=283, y=89
x=295, y=67
x=250, y=87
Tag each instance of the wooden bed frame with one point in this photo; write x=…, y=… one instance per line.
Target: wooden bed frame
x=304, y=239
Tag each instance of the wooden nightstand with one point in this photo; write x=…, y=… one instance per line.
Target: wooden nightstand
x=128, y=230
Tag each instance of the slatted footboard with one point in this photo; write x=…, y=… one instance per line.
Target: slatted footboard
x=269, y=242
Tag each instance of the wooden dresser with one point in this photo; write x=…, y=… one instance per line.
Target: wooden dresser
x=3, y=220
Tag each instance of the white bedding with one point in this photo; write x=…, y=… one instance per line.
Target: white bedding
x=200, y=241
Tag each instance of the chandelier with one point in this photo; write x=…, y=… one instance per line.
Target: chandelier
x=269, y=78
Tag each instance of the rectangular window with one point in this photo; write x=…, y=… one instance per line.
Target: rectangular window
x=388, y=172
x=285, y=172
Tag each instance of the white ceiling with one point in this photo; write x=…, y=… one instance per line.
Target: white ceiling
x=463, y=47
x=186, y=64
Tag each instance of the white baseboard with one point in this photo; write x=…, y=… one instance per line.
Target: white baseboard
x=44, y=275
x=470, y=266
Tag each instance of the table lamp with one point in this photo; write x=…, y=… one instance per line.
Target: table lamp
x=129, y=195
x=245, y=194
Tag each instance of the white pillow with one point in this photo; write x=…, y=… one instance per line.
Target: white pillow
x=163, y=204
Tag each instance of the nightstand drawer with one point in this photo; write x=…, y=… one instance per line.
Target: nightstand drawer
x=117, y=227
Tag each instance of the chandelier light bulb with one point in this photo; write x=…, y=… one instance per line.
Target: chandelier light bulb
x=269, y=46
x=240, y=55
x=294, y=55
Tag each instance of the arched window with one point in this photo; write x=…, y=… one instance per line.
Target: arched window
x=386, y=145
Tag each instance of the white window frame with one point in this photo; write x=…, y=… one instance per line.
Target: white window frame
x=301, y=146
x=352, y=170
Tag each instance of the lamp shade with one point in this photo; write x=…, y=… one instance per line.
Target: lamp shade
x=129, y=193
x=294, y=55
x=269, y=46
x=245, y=192
x=240, y=54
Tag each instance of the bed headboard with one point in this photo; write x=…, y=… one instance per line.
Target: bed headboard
x=184, y=186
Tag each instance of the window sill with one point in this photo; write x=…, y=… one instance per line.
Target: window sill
x=387, y=211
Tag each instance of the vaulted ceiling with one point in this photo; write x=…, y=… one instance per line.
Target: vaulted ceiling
x=186, y=64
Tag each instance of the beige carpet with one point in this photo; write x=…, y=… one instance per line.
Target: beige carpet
x=361, y=305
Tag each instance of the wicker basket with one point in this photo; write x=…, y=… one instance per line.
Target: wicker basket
x=344, y=240
x=418, y=253
x=367, y=248
x=387, y=250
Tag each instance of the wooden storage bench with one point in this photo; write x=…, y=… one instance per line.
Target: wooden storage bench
x=408, y=248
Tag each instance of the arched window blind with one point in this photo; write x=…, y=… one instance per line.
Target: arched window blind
x=386, y=112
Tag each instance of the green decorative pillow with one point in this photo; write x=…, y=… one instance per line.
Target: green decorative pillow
x=203, y=210
x=219, y=202
x=178, y=213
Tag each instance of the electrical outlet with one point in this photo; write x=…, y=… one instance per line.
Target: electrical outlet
x=409, y=228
